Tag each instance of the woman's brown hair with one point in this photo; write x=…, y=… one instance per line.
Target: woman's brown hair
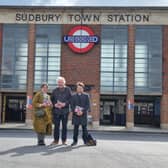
x=44, y=84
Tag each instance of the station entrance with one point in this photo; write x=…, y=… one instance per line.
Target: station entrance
x=13, y=108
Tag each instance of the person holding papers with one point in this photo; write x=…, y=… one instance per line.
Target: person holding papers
x=80, y=105
x=60, y=98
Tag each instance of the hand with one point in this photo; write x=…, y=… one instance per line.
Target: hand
x=62, y=104
x=57, y=105
x=49, y=104
x=79, y=113
x=44, y=105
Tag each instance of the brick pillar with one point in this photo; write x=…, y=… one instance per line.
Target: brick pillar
x=95, y=106
x=1, y=41
x=164, y=99
x=1, y=107
x=30, y=68
x=83, y=67
x=130, y=78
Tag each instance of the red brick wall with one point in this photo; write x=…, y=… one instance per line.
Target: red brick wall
x=83, y=67
x=1, y=37
x=30, y=66
x=131, y=69
x=164, y=99
x=1, y=41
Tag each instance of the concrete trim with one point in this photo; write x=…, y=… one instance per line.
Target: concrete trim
x=129, y=125
x=164, y=126
x=103, y=16
x=28, y=122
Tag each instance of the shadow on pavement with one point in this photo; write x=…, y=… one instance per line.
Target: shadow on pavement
x=43, y=150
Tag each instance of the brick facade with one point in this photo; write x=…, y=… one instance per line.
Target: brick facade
x=83, y=67
x=131, y=69
x=86, y=67
x=30, y=67
x=164, y=99
x=1, y=41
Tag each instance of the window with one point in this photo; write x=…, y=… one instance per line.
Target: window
x=47, y=55
x=114, y=59
x=14, y=56
x=148, y=59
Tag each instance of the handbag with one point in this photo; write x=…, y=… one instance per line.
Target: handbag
x=39, y=113
x=91, y=141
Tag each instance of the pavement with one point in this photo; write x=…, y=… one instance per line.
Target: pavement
x=136, y=129
x=18, y=149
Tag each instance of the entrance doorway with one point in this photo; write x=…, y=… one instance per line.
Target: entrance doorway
x=144, y=112
x=147, y=111
x=112, y=110
x=14, y=108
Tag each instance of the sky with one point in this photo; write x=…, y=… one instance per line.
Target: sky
x=108, y=3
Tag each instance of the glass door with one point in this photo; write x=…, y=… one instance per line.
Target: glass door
x=112, y=112
x=144, y=112
x=15, y=109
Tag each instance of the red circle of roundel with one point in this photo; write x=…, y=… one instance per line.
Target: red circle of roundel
x=88, y=47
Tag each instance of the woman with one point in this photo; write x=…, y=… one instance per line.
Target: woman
x=42, y=119
x=80, y=106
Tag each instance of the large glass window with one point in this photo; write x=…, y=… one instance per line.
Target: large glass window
x=14, y=56
x=148, y=59
x=114, y=59
x=47, y=55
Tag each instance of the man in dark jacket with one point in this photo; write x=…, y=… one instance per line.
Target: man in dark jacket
x=80, y=106
x=60, y=98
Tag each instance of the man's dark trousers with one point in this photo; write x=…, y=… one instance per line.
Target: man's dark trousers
x=84, y=133
x=57, y=119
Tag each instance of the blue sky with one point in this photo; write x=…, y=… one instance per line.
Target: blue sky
x=115, y=3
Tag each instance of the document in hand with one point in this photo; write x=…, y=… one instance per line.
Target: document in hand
x=78, y=109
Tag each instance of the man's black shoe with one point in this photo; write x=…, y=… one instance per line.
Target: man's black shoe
x=41, y=143
x=74, y=143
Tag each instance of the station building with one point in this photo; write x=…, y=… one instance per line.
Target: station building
x=120, y=53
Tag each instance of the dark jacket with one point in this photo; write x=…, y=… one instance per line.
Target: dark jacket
x=82, y=101
x=62, y=95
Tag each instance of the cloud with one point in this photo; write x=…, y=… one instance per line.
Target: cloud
x=55, y=2
x=108, y=3
x=101, y=2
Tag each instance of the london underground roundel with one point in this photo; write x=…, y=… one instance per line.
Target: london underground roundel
x=81, y=39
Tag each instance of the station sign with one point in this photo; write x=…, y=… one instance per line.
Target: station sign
x=81, y=39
